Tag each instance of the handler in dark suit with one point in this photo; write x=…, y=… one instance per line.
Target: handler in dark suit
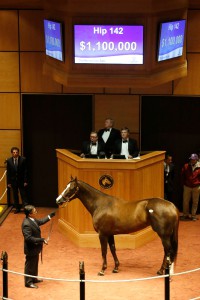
x=33, y=243
x=17, y=177
x=92, y=147
x=108, y=136
x=126, y=146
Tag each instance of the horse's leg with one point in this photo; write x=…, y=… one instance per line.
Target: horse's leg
x=167, y=260
x=111, y=241
x=104, y=243
x=166, y=263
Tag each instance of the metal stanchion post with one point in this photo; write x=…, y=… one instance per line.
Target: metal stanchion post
x=82, y=283
x=167, y=282
x=4, y=258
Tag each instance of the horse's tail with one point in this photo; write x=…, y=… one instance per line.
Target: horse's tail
x=174, y=239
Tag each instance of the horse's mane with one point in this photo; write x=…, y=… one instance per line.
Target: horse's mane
x=89, y=187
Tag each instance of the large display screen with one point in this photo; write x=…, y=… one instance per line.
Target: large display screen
x=53, y=39
x=108, y=44
x=171, y=39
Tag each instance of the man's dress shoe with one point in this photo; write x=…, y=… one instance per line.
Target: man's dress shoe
x=17, y=211
x=32, y=285
x=38, y=280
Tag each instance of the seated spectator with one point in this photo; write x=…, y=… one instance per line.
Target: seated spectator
x=126, y=145
x=93, y=148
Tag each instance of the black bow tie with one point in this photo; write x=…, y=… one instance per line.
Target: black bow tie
x=107, y=130
x=125, y=141
x=94, y=144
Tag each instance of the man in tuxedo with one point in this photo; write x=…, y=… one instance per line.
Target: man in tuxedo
x=108, y=135
x=93, y=147
x=125, y=145
x=168, y=177
x=17, y=178
x=33, y=243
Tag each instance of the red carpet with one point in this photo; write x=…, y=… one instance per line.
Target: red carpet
x=61, y=261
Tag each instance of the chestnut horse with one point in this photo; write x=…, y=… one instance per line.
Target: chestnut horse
x=112, y=216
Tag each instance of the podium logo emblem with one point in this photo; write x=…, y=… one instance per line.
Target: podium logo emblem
x=106, y=181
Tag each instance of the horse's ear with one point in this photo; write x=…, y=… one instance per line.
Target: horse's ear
x=73, y=179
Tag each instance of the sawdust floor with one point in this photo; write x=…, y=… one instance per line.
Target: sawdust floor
x=61, y=261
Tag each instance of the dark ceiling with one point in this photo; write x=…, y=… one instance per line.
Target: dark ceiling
x=21, y=4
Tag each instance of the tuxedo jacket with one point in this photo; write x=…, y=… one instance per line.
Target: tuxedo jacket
x=17, y=175
x=109, y=145
x=33, y=242
x=169, y=178
x=132, y=147
x=86, y=147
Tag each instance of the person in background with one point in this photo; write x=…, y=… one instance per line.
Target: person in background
x=198, y=153
x=33, y=243
x=190, y=176
x=93, y=147
x=126, y=145
x=168, y=177
x=17, y=178
x=108, y=135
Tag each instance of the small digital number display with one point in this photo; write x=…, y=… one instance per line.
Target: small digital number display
x=53, y=39
x=171, y=40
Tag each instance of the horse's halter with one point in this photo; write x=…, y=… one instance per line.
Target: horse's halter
x=68, y=199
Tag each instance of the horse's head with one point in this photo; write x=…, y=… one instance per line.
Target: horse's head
x=69, y=192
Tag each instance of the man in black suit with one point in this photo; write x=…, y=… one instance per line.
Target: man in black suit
x=126, y=146
x=17, y=177
x=93, y=147
x=168, y=177
x=33, y=243
x=108, y=136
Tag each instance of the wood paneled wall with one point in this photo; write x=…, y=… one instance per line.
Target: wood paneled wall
x=124, y=109
x=21, y=71
x=190, y=85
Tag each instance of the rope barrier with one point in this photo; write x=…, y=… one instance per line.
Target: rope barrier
x=82, y=280
x=6, y=188
x=103, y=281
x=3, y=176
x=3, y=194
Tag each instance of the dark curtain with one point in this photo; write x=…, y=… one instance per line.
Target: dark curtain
x=171, y=124
x=50, y=122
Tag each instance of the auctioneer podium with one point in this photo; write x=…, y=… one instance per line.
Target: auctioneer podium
x=130, y=180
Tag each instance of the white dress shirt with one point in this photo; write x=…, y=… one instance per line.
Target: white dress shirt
x=93, y=149
x=106, y=135
x=124, y=150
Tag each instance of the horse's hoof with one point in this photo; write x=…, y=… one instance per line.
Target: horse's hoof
x=115, y=271
x=101, y=273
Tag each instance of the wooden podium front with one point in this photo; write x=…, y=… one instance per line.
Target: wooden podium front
x=132, y=180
